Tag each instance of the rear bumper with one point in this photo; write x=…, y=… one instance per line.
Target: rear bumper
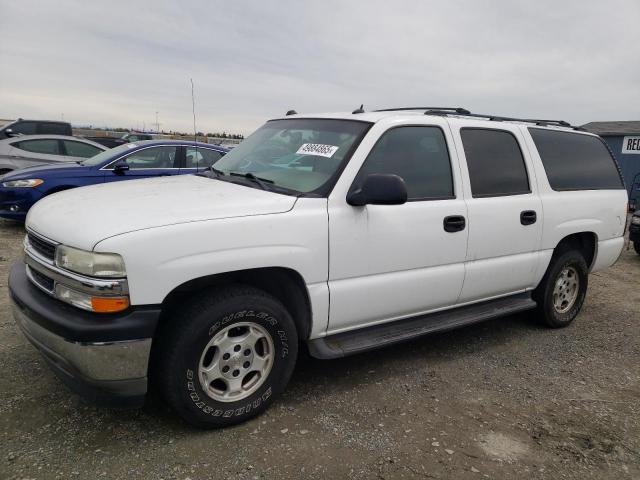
x=608, y=252
x=89, y=352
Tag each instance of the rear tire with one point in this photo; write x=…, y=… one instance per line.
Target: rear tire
x=224, y=358
x=562, y=290
x=636, y=246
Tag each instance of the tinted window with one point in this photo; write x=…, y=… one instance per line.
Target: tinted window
x=153, y=157
x=201, y=157
x=50, y=147
x=79, y=149
x=108, y=155
x=574, y=161
x=54, y=129
x=495, y=162
x=418, y=155
x=25, y=128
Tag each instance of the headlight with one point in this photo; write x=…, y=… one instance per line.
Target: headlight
x=92, y=264
x=635, y=220
x=28, y=183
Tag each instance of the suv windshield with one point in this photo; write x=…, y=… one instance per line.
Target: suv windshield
x=298, y=154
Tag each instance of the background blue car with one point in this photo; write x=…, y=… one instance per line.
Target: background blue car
x=20, y=189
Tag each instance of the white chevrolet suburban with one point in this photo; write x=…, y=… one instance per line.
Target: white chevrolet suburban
x=342, y=232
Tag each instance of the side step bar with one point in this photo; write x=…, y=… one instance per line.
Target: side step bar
x=378, y=336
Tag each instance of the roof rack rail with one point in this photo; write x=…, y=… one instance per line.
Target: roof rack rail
x=498, y=118
x=460, y=110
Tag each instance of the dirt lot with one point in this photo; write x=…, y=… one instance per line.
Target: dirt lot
x=505, y=399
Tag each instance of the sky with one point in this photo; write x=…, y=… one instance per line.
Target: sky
x=118, y=63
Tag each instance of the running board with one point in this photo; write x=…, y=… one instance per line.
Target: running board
x=378, y=336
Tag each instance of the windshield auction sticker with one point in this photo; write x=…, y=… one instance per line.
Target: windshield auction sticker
x=317, y=149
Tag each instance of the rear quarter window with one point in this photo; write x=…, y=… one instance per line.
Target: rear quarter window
x=573, y=161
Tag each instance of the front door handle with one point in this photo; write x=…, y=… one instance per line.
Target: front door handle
x=528, y=217
x=454, y=223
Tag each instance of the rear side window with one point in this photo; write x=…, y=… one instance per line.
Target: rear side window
x=54, y=129
x=80, y=149
x=574, y=161
x=495, y=162
x=419, y=155
x=50, y=147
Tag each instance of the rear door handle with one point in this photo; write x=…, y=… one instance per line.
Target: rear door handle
x=454, y=223
x=528, y=217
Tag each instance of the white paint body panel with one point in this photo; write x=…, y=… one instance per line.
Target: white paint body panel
x=111, y=209
x=160, y=259
x=361, y=265
x=391, y=261
x=502, y=256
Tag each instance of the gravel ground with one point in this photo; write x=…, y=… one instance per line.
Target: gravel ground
x=504, y=399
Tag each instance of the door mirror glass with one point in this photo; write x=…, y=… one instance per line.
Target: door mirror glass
x=379, y=189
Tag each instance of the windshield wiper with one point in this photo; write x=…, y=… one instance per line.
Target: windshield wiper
x=262, y=182
x=218, y=173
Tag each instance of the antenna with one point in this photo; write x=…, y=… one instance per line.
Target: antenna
x=195, y=135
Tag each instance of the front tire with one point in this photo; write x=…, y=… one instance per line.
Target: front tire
x=562, y=290
x=225, y=358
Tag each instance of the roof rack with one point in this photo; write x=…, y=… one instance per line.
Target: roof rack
x=459, y=110
x=497, y=118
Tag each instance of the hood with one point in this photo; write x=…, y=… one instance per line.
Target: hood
x=84, y=216
x=50, y=169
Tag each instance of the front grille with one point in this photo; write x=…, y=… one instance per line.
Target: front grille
x=42, y=280
x=43, y=247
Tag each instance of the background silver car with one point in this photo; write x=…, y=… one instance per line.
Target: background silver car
x=29, y=150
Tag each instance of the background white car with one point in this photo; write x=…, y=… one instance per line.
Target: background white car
x=30, y=150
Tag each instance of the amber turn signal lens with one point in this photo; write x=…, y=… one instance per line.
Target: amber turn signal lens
x=109, y=304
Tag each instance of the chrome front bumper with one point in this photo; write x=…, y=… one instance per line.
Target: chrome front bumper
x=111, y=373
x=97, y=362
x=103, y=357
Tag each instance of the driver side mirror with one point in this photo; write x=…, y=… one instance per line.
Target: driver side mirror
x=120, y=168
x=379, y=189
x=10, y=133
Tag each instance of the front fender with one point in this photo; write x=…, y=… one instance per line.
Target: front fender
x=162, y=258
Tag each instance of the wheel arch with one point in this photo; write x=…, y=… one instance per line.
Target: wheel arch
x=285, y=284
x=585, y=242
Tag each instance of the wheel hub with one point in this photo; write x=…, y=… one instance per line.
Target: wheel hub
x=236, y=362
x=566, y=289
